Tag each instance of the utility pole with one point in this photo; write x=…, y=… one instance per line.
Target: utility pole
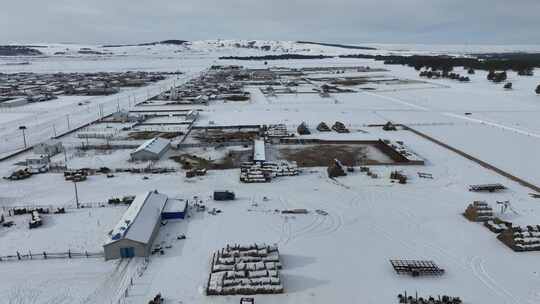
x=76, y=195
x=22, y=128
x=65, y=157
x=54, y=130
x=67, y=118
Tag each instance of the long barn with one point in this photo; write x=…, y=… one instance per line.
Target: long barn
x=135, y=232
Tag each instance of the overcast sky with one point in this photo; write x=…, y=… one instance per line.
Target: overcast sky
x=345, y=21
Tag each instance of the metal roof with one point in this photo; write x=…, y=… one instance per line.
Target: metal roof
x=140, y=219
x=259, y=153
x=155, y=145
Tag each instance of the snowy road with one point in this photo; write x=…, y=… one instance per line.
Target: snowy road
x=46, y=123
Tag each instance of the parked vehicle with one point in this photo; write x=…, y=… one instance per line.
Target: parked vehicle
x=224, y=196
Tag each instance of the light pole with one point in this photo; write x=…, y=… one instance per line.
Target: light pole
x=22, y=128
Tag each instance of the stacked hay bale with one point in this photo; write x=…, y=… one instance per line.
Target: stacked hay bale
x=497, y=225
x=277, y=130
x=335, y=169
x=479, y=211
x=323, y=127
x=245, y=270
x=400, y=177
x=389, y=126
x=340, y=127
x=522, y=238
x=303, y=129
x=266, y=171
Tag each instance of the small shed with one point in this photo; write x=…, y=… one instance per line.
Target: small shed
x=174, y=209
x=152, y=149
x=259, y=153
x=49, y=147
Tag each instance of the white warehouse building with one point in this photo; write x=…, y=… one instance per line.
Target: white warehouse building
x=135, y=232
x=152, y=149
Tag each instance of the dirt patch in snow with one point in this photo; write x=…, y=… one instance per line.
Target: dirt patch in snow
x=322, y=155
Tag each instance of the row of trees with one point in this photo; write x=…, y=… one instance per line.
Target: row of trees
x=497, y=76
x=444, y=74
x=521, y=63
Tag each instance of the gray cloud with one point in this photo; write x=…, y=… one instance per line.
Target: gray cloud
x=350, y=21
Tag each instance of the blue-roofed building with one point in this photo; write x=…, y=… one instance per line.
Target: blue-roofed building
x=174, y=209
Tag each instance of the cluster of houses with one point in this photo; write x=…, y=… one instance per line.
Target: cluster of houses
x=216, y=84
x=21, y=88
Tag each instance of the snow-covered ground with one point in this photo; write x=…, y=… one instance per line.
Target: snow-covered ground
x=340, y=257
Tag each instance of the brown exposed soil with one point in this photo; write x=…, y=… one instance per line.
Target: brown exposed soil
x=151, y=134
x=323, y=155
x=232, y=160
x=220, y=136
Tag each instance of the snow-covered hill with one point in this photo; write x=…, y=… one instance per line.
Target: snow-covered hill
x=176, y=48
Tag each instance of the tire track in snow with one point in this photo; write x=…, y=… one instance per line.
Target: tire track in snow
x=109, y=288
x=475, y=265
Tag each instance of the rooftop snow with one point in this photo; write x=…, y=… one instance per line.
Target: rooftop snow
x=175, y=205
x=138, y=223
x=155, y=145
x=259, y=153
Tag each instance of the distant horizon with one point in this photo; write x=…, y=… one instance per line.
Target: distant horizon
x=133, y=43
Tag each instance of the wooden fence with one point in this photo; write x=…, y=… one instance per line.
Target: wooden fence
x=43, y=255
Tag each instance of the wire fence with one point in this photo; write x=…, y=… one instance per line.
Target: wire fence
x=44, y=255
x=24, y=208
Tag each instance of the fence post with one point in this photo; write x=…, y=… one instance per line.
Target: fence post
x=30, y=254
x=18, y=256
x=44, y=255
x=69, y=253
